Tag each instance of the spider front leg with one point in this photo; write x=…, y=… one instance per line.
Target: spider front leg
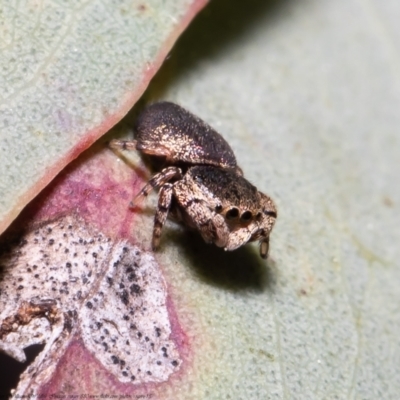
x=157, y=181
x=199, y=214
x=264, y=247
x=117, y=144
x=163, y=206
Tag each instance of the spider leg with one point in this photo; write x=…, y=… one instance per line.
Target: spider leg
x=211, y=226
x=157, y=181
x=117, y=144
x=264, y=247
x=238, y=238
x=164, y=204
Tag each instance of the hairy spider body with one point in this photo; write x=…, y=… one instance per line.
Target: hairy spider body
x=201, y=184
x=167, y=130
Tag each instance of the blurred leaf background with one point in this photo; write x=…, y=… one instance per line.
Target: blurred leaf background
x=307, y=93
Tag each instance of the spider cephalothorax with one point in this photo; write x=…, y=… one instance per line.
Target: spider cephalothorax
x=200, y=184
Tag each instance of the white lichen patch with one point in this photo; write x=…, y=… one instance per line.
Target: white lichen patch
x=125, y=322
x=63, y=278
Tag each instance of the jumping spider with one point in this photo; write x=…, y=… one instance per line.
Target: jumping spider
x=200, y=183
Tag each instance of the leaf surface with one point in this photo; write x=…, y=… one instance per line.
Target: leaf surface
x=307, y=93
x=70, y=71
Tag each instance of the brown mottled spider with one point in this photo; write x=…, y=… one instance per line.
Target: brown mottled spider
x=200, y=184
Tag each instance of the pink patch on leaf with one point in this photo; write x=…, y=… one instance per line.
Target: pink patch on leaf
x=114, y=325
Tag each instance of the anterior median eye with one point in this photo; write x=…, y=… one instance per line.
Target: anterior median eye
x=232, y=213
x=246, y=216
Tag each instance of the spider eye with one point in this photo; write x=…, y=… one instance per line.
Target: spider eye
x=258, y=216
x=270, y=213
x=246, y=216
x=218, y=208
x=232, y=213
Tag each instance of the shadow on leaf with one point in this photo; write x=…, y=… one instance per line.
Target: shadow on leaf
x=239, y=270
x=220, y=25
x=10, y=369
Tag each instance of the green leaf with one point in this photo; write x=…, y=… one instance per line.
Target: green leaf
x=307, y=94
x=69, y=72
